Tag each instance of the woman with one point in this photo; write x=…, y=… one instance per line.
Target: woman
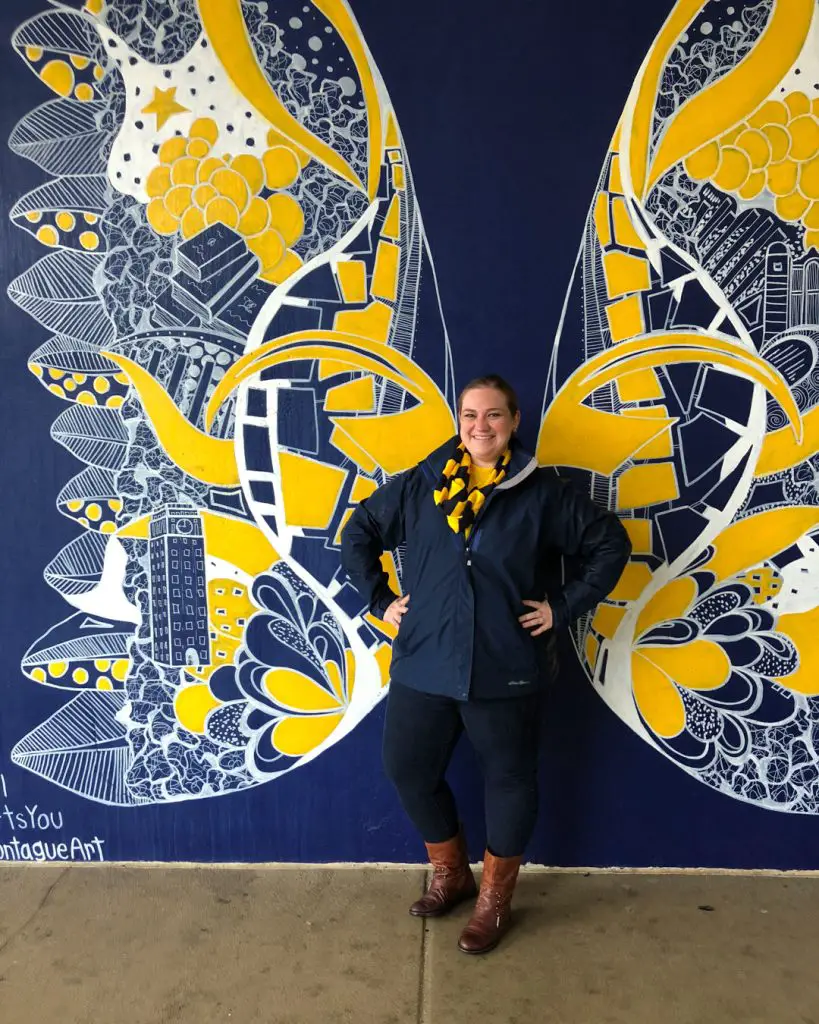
x=484, y=530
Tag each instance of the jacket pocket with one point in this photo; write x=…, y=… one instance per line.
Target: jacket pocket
x=503, y=643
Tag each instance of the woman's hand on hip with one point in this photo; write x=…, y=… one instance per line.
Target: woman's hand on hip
x=396, y=611
x=539, y=620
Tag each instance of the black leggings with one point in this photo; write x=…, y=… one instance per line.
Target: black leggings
x=420, y=734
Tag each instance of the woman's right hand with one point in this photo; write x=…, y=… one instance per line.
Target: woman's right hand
x=396, y=611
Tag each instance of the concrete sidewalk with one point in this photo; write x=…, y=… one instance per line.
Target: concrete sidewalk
x=116, y=945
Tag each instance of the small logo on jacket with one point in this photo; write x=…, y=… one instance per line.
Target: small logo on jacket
x=520, y=682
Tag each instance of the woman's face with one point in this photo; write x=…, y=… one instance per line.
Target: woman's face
x=486, y=425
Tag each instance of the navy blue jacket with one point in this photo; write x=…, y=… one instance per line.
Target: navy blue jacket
x=460, y=635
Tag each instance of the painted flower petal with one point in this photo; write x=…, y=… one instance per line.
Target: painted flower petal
x=296, y=737
x=700, y=665
x=193, y=704
x=670, y=602
x=294, y=690
x=801, y=629
x=657, y=698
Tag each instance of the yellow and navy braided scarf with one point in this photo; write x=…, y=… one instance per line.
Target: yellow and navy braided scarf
x=459, y=503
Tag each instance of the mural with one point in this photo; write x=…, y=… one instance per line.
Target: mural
x=236, y=284
x=696, y=294
x=241, y=328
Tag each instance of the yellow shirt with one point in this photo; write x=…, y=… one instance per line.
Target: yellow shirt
x=479, y=476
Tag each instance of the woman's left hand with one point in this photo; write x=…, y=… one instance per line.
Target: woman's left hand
x=539, y=620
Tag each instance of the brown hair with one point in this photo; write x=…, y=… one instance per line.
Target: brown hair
x=492, y=380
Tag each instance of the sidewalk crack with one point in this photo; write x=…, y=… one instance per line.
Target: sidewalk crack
x=421, y=1016
x=19, y=931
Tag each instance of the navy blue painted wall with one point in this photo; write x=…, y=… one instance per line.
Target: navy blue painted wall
x=506, y=112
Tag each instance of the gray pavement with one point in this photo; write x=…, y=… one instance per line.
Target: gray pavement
x=302, y=945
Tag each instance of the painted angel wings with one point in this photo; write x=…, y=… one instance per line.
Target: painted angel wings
x=247, y=339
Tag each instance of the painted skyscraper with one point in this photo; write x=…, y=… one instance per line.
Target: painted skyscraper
x=179, y=606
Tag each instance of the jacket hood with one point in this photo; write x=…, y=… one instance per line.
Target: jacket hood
x=522, y=465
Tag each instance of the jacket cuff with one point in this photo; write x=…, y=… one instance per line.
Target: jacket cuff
x=560, y=612
x=381, y=602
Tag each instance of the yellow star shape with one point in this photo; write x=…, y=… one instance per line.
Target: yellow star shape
x=164, y=105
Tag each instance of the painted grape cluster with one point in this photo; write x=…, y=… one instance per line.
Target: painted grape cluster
x=776, y=148
x=191, y=188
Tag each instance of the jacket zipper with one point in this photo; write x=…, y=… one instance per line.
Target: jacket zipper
x=476, y=526
x=479, y=518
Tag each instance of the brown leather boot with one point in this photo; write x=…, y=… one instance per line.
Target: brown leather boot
x=492, y=915
x=452, y=878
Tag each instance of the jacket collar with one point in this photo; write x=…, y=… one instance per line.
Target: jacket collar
x=522, y=464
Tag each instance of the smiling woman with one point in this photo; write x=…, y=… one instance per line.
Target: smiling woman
x=468, y=655
x=489, y=415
